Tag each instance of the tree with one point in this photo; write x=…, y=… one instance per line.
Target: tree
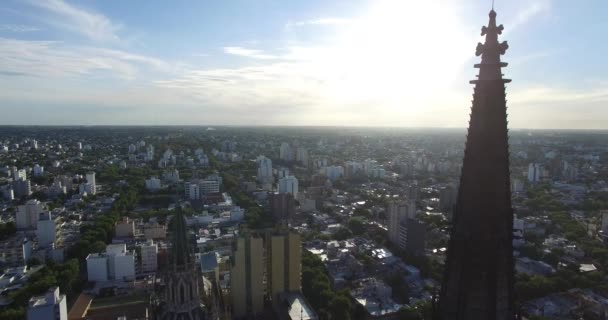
x=339, y=307
x=357, y=226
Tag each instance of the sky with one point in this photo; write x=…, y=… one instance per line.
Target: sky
x=399, y=63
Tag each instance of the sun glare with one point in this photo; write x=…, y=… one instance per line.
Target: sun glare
x=398, y=55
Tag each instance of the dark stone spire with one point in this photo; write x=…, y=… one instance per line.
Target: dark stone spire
x=180, y=252
x=479, y=271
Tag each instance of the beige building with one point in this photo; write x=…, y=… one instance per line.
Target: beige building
x=247, y=277
x=125, y=228
x=153, y=230
x=284, y=264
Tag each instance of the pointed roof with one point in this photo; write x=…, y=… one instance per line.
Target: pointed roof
x=490, y=52
x=180, y=252
x=479, y=271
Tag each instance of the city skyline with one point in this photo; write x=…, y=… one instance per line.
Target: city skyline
x=371, y=63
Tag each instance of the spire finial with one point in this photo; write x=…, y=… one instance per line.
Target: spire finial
x=492, y=5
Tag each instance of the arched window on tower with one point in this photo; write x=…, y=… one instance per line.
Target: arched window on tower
x=191, y=293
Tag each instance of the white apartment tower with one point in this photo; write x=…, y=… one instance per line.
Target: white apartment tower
x=45, y=230
x=289, y=184
x=27, y=215
x=149, y=251
x=91, y=181
x=397, y=214
x=264, y=170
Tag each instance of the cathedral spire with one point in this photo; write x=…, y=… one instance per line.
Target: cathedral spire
x=180, y=254
x=479, y=271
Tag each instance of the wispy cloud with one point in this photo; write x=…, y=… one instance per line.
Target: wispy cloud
x=532, y=9
x=249, y=53
x=93, y=25
x=54, y=59
x=321, y=22
x=17, y=28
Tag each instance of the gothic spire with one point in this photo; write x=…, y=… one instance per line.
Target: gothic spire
x=181, y=254
x=479, y=271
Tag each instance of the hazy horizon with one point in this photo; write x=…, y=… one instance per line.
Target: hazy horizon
x=302, y=63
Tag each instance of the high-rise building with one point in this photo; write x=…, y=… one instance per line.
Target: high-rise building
x=97, y=267
x=116, y=263
x=282, y=205
x=45, y=230
x=121, y=263
x=20, y=174
x=27, y=215
x=535, y=172
x=289, y=185
x=52, y=305
x=284, y=264
x=38, y=170
x=153, y=184
x=412, y=236
x=91, y=181
x=247, y=277
x=22, y=188
x=479, y=272
x=302, y=156
x=264, y=170
x=149, y=255
x=193, y=191
x=285, y=152
x=209, y=186
x=398, y=213
x=181, y=298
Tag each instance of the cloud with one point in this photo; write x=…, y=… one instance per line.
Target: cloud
x=93, y=25
x=55, y=59
x=320, y=22
x=532, y=9
x=17, y=28
x=249, y=53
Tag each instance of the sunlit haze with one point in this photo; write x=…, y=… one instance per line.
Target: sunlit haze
x=355, y=63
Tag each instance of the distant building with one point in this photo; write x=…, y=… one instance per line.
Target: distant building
x=264, y=170
x=334, y=172
x=247, y=277
x=45, y=230
x=209, y=186
x=20, y=174
x=412, y=237
x=289, y=185
x=282, y=205
x=27, y=215
x=535, y=172
x=121, y=263
x=153, y=184
x=193, y=191
x=22, y=188
x=285, y=152
x=125, y=228
x=52, y=305
x=149, y=252
x=38, y=170
x=153, y=230
x=302, y=156
x=398, y=213
x=90, y=176
x=97, y=267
